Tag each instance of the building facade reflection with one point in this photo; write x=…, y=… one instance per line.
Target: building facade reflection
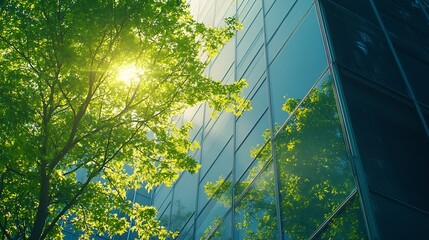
x=337, y=143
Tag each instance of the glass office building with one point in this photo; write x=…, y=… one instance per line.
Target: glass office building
x=337, y=143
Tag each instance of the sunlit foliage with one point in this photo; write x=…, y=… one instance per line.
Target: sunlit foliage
x=74, y=137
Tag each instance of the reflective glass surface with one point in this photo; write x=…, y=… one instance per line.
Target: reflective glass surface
x=362, y=8
x=404, y=35
x=184, y=200
x=346, y=224
x=162, y=197
x=254, y=72
x=219, y=171
x=417, y=72
x=216, y=137
x=263, y=154
x=211, y=214
x=298, y=65
x=187, y=231
x=224, y=8
x=164, y=215
x=278, y=35
x=392, y=143
x=313, y=166
x=220, y=231
x=248, y=149
x=399, y=221
x=223, y=61
x=277, y=14
x=361, y=47
x=255, y=214
x=246, y=121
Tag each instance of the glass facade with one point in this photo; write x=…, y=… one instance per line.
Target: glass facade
x=337, y=143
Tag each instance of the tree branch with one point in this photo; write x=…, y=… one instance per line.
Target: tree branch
x=89, y=179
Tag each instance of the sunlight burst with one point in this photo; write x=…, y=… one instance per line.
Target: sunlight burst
x=129, y=73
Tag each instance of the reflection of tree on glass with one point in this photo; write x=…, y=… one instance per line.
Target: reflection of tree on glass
x=313, y=173
x=347, y=224
x=180, y=215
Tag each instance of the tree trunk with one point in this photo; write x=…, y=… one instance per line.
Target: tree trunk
x=42, y=210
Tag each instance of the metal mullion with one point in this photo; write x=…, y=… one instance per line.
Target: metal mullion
x=271, y=125
x=199, y=173
x=234, y=136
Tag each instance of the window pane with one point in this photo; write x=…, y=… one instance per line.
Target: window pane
x=223, y=61
x=417, y=72
x=425, y=110
x=224, y=9
x=396, y=221
x=162, y=196
x=347, y=224
x=263, y=154
x=361, y=8
x=247, y=151
x=277, y=36
x=222, y=231
x=248, y=120
x=298, y=65
x=217, y=136
x=406, y=36
x=164, y=216
x=256, y=211
x=184, y=200
x=414, y=7
x=361, y=47
x=220, y=169
x=253, y=73
x=392, y=143
x=220, y=193
x=314, y=170
x=276, y=15
x=187, y=231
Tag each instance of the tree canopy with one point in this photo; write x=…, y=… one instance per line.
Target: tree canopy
x=87, y=93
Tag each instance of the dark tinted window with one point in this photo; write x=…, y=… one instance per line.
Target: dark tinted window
x=361, y=8
x=393, y=145
x=396, y=221
x=361, y=47
x=418, y=75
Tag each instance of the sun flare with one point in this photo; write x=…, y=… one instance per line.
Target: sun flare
x=129, y=73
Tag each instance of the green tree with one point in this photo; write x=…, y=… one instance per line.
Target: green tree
x=87, y=91
x=313, y=172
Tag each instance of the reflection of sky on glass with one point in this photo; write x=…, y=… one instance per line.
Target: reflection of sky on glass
x=255, y=137
x=215, y=139
x=220, y=168
x=298, y=65
x=184, y=200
